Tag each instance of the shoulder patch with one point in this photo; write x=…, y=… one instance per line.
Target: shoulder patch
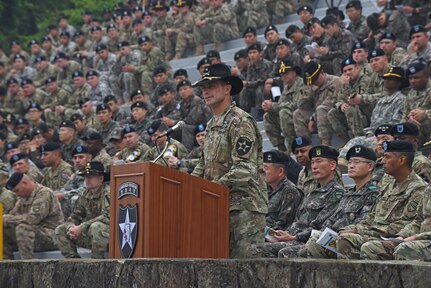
x=243, y=145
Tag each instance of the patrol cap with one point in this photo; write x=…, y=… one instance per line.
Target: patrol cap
x=417, y=29
x=19, y=56
x=76, y=116
x=33, y=42
x=254, y=46
x=94, y=168
x=39, y=59
x=80, y=149
x=67, y=124
x=156, y=125
x=34, y=105
x=200, y=128
x=60, y=55
x=415, y=68
x=101, y=47
x=92, y=73
x=361, y=151
x=127, y=129
x=311, y=72
x=165, y=88
x=275, y=156
x=65, y=34
x=95, y=28
x=82, y=101
x=213, y=54
x=14, y=180
x=405, y=128
x=12, y=81
x=139, y=104
x=92, y=136
x=354, y=4
x=159, y=69
x=26, y=81
x=183, y=83
x=181, y=72
x=291, y=29
x=17, y=157
x=136, y=92
x=240, y=54
x=328, y=20
x=249, y=29
x=123, y=43
x=286, y=66
x=21, y=121
x=304, y=8
x=397, y=146
x=388, y=35
x=50, y=79
x=203, y=61
x=384, y=129
x=143, y=39
x=10, y=146
x=270, y=28
x=323, y=151
x=313, y=21
x=101, y=107
x=109, y=98
x=359, y=45
x=300, y=141
x=347, y=62
x=282, y=41
x=375, y=53
x=49, y=147
x=76, y=74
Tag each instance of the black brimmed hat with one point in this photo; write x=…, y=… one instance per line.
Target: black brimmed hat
x=221, y=72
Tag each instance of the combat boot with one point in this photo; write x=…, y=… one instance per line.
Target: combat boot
x=199, y=50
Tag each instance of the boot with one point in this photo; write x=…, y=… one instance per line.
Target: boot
x=199, y=50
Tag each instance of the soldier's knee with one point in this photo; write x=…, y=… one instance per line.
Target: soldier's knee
x=370, y=250
x=60, y=230
x=98, y=230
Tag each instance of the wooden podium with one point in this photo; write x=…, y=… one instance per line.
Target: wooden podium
x=158, y=212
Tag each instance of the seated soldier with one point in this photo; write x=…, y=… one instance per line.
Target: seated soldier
x=141, y=120
x=284, y=197
x=88, y=225
x=94, y=143
x=7, y=197
x=356, y=203
x=30, y=225
x=20, y=163
x=135, y=150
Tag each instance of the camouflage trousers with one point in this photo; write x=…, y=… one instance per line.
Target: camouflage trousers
x=314, y=250
x=353, y=118
x=96, y=238
x=217, y=33
x=414, y=250
x=301, y=118
x=147, y=82
x=127, y=83
x=27, y=239
x=292, y=249
x=349, y=245
x=246, y=229
x=370, y=142
x=256, y=19
x=279, y=128
x=178, y=43
x=378, y=250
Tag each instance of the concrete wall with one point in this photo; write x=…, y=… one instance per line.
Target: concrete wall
x=188, y=273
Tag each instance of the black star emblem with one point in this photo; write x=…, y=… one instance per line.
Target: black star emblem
x=243, y=146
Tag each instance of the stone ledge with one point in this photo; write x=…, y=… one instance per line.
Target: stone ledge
x=213, y=273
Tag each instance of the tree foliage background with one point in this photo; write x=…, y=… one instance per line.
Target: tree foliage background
x=28, y=19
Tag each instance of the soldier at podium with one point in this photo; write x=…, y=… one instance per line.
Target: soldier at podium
x=232, y=156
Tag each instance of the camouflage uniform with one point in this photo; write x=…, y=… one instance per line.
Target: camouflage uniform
x=375, y=89
x=35, y=174
x=127, y=81
x=396, y=58
x=174, y=148
x=64, y=76
x=137, y=154
x=105, y=69
x=56, y=178
x=160, y=24
x=60, y=97
x=394, y=209
x=67, y=149
x=73, y=188
x=278, y=121
x=189, y=162
x=355, y=117
x=182, y=35
x=91, y=213
x=232, y=156
x=7, y=199
x=354, y=207
x=41, y=76
x=421, y=100
x=269, y=51
x=314, y=211
x=30, y=224
x=104, y=158
x=98, y=93
x=421, y=56
x=155, y=57
x=398, y=24
x=106, y=130
x=253, y=14
x=359, y=28
x=171, y=110
x=283, y=201
x=81, y=92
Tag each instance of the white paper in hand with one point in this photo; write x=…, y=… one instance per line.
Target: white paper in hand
x=328, y=239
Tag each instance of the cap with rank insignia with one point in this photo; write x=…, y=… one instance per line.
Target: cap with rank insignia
x=405, y=128
x=347, y=62
x=101, y=107
x=183, y=83
x=270, y=28
x=248, y=30
x=14, y=180
x=165, y=88
x=67, y=124
x=375, y=53
x=397, y=146
x=17, y=157
x=301, y=141
x=323, y=151
x=361, y=151
x=275, y=156
x=384, y=129
x=417, y=29
x=139, y=104
x=240, y=54
x=10, y=146
x=50, y=79
x=415, y=68
x=304, y=8
x=200, y=128
x=116, y=134
x=49, y=147
x=80, y=149
x=312, y=72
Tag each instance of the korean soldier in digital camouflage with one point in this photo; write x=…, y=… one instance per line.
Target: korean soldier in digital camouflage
x=315, y=209
x=356, y=203
x=88, y=225
x=29, y=226
x=232, y=156
x=395, y=207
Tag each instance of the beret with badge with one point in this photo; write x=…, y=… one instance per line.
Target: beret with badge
x=181, y=72
x=359, y=45
x=361, y=151
x=49, y=147
x=80, y=149
x=397, y=146
x=165, y=88
x=10, y=146
x=50, y=80
x=323, y=151
x=248, y=30
x=156, y=125
x=242, y=53
x=76, y=74
x=405, y=128
x=304, y=8
x=203, y=61
x=139, y=104
x=213, y=54
x=159, y=69
x=200, y=128
x=347, y=62
x=354, y=4
x=14, y=180
x=300, y=141
x=281, y=42
x=15, y=158
x=109, y=98
x=127, y=129
x=92, y=73
x=384, y=129
x=270, y=28
x=12, y=81
x=254, y=46
x=92, y=136
x=135, y=93
x=389, y=36
x=276, y=157
x=415, y=68
x=82, y=101
x=102, y=107
x=143, y=39
x=183, y=83
x=417, y=29
x=375, y=53
x=67, y=124
x=21, y=121
x=291, y=29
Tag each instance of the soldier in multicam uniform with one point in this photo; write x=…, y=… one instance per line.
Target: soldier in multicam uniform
x=88, y=225
x=80, y=88
x=7, y=197
x=395, y=207
x=119, y=113
x=30, y=224
x=94, y=143
x=66, y=68
x=56, y=97
x=343, y=116
x=315, y=105
x=31, y=94
x=162, y=22
x=356, y=203
x=396, y=55
x=89, y=115
x=360, y=55
x=135, y=150
x=237, y=161
x=278, y=117
x=253, y=13
x=44, y=70
x=284, y=197
x=315, y=209
x=358, y=22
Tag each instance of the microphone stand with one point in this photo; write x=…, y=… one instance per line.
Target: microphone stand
x=163, y=151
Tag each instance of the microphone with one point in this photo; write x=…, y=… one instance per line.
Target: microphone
x=179, y=125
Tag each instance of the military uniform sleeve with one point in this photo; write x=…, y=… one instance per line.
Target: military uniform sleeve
x=291, y=201
x=104, y=216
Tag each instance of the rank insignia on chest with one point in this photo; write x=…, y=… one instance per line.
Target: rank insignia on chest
x=243, y=146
